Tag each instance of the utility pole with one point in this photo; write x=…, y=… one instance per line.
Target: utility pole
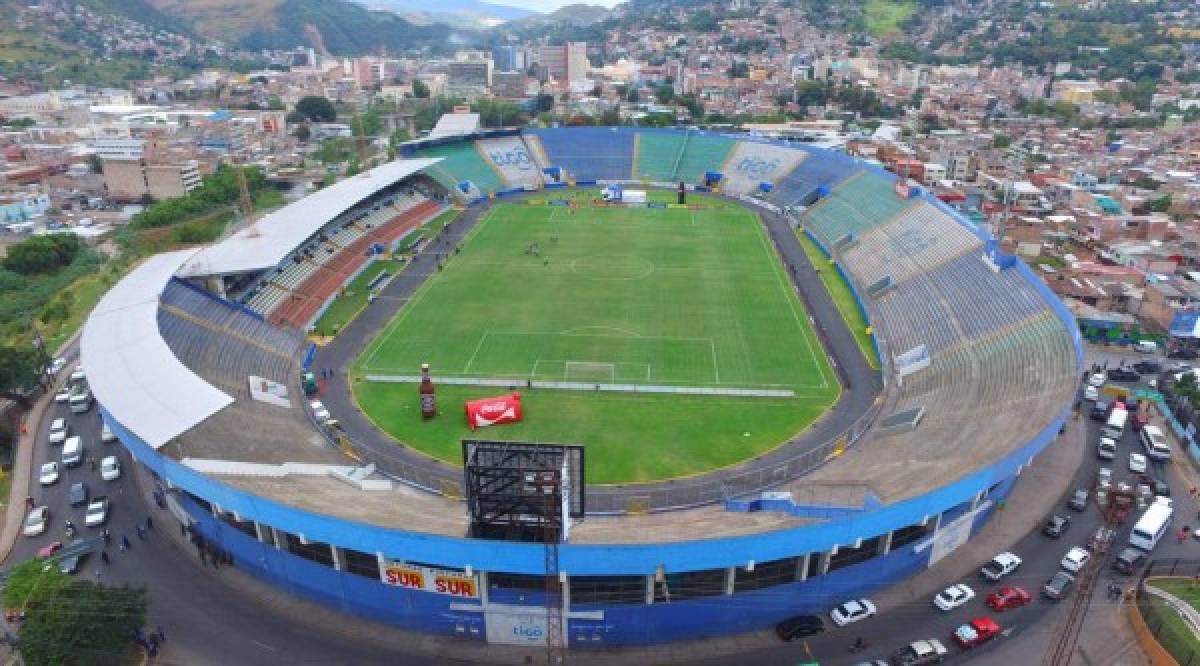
x=552, y=524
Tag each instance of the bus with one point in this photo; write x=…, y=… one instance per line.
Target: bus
x=1152, y=525
x=1115, y=427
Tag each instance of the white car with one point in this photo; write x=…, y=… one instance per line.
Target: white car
x=97, y=512
x=56, y=366
x=1137, y=463
x=1097, y=379
x=49, y=474
x=319, y=411
x=78, y=374
x=852, y=611
x=1075, y=559
x=63, y=395
x=35, y=522
x=953, y=597
x=1000, y=566
x=1091, y=393
x=110, y=468
x=106, y=434
x=59, y=429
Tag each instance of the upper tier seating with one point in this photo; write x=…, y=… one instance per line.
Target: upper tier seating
x=702, y=152
x=801, y=184
x=462, y=162
x=512, y=159
x=671, y=156
x=600, y=153
x=753, y=163
x=854, y=207
x=914, y=242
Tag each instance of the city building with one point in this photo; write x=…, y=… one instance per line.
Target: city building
x=567, y=63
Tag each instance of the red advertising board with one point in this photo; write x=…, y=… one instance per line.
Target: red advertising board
x=494, y=411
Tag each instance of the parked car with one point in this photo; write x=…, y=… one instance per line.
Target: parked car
x=56, y=366
x=1057, y=587
x=1079, y=499
x=1128, y=560
x=1075, y=559
x=110, y=468
x=1091, y=393
x=1123, y=375
x=976, y=632
x=1100, y=410
x=36, y=520
x=1007, y=598
x=1000, y=566
x=59, y=429
x=852, y=611
x=1137, y=463
x=78, y=375
x=1056, y=524
x=48, y=474
x=63, y=395
x=78, y=493
x=69, y=566
x=953, y=597
x=1097, y=379
x=1148, y=367
x=1106, y=449
x=106, y=435
x=1186, y=354
x=97, y=512
x=1145, y=347
x=928, y=651
x=799, y=627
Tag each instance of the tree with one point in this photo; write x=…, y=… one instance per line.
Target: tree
x=1001, y=141
x=665, y=94
x=738, y=70
x=1159, y=205
x=632, y=97
x=543, y=102
x=21, y=370
x=420, y=90
x=302, y=132
x=62, y=624
x=42, y=254
x=95, y=164
x=610, y=117
x=316, y=108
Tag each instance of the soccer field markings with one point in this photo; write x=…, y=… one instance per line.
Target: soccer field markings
x=467, y=367
x=646, y=266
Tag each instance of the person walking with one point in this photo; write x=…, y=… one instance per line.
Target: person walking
x=149, y=523
x=104, y=557
x=162, y=635
x=125, y=545
x=29, y=501
x=141, y=532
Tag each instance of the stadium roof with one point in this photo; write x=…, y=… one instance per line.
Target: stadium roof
x=271, y=239
x=130, y=368
x=455, y=124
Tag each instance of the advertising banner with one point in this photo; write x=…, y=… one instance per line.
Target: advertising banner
x=494, y=411
x=437, y=581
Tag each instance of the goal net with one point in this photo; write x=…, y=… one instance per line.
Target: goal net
x=591, y=371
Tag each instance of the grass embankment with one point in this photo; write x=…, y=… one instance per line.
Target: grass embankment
x=843, y=298
x=1171, y=631
x=883, y=17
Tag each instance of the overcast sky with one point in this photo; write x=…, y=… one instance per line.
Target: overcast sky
x=550, y=5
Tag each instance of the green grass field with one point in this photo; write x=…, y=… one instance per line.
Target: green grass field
x=665, y=297
x=843, y=298
x=1172, y=632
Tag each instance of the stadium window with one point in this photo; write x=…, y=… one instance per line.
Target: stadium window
x=608, y=590
x=509, y=581
x=313, y=550
x=907, y=535
x=691, y=585
x=848, y=556
x=361, y=564
x=765, y=574
x=244, y=526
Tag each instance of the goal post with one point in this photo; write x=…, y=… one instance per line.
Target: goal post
x=590, y=371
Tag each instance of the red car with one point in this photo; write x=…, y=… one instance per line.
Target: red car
x=1007, y=598
x=49, y=551
x=976, y=632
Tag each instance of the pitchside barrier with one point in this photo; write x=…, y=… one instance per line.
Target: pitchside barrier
x=610, y=387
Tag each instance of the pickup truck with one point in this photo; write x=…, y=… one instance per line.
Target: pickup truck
x=928, y=651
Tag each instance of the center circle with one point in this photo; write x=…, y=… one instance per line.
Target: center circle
x=613, y=267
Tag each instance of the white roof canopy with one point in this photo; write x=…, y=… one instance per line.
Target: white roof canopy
x=130, y=368
x=269, y=241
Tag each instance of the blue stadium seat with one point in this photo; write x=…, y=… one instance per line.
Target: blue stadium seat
x=587, y=153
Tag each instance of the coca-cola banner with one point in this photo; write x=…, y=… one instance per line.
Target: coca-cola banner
x=494, y=411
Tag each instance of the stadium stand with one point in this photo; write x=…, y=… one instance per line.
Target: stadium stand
x=307, y=299
x=509, y=156
x=656, y=155
x=916, y=241
x=752, y=163
x=462, y=162
x=701, y=153
x=800, y=186
x=600, y=153
x=854, y=207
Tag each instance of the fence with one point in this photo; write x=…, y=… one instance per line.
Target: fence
x=1173, y=639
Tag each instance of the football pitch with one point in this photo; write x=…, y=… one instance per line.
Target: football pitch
x=665, y=299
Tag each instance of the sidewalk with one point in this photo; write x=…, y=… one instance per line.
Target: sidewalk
x=1037, y=491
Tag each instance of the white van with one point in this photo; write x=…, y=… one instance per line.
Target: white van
x=1155, y=443
x=72, y=454
x=1115, y=427
x=1146, y=346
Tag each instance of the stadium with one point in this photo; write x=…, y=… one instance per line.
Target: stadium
x=742, y=458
